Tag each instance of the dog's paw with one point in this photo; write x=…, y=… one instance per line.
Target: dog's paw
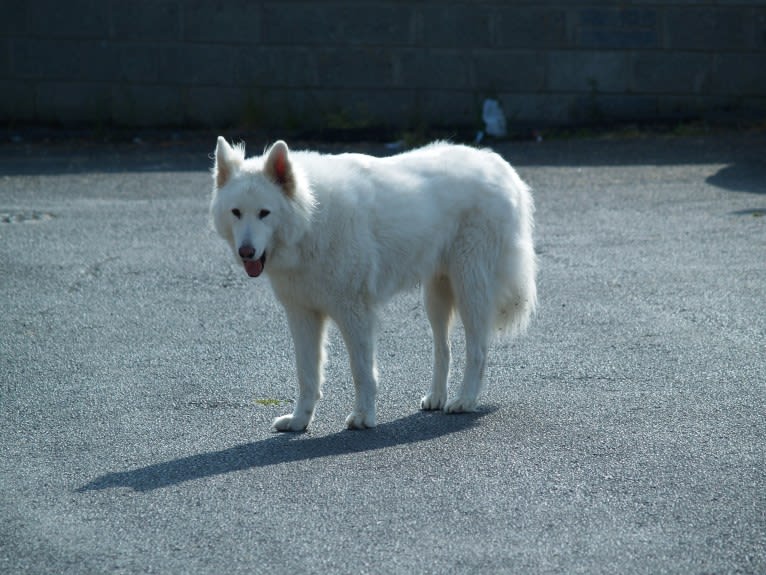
x=433, y=401
x=290, y=423
x=460, y=405
x=361, y=420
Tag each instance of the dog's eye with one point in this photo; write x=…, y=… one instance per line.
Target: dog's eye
x=237, y=213
x=263, y=213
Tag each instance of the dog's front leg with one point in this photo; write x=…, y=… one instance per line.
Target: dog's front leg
x=308, y=330
x=358, y=328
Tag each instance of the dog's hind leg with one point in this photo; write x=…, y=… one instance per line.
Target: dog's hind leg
x=475, y=304
x=357, y=325
x=308, y=331
x=440, y=303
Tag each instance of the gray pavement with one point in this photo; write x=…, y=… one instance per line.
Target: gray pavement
x=140, y=371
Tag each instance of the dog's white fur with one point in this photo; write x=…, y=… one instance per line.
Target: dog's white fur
x=338, y=235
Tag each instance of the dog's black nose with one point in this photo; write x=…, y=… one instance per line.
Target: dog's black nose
x=246, y=252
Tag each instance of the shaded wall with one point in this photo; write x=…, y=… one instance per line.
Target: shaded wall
x=367, y=63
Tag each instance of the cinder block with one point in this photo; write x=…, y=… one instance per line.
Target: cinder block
x=700, y=28
x=753, y=107
x=355, y=67
x=739, y=74
x=336, y=24
x=529, y=27
x=541, y=110
x=438, y=108
x=628, y=107
x=44, y=59
x=671, y=72
x=5, y=58
x=588, y=72
x=14, y=19
x=683, y=107
x=622, y=18
x=64, y=59
x=728, y=108
x=758, y=29
x=508, y=71
x=445, y=25
x=197, y=64
x=388, y=24
x=275, y=67
x=617, y=39
x=446, y=69
x=280, y=109
x=617, y=28
x=233, y=21
x=536, y=110
x=74, y=103
x=17, y=101
x=372, y=108
x=300, y=23
x=216, y=107
x=146, y=20
x=155, y=105
x=335, y=111
x=69, y=19
x=139, y=63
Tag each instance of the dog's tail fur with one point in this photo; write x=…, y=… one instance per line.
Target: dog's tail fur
x=516, y=298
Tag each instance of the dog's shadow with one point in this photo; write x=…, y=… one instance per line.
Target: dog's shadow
x=286, y=448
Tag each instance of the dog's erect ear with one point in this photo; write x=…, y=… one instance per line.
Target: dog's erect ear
x=278, y=168
x=227, y=161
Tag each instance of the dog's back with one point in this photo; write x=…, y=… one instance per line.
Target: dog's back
x=443, y=209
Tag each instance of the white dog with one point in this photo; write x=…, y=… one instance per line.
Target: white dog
x=338, y=235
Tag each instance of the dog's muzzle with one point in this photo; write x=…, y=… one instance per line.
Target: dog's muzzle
x=253, y=267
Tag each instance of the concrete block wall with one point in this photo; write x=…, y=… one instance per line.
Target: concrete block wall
x=394, y=63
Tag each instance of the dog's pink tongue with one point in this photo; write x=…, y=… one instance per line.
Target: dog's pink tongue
x=254, y=268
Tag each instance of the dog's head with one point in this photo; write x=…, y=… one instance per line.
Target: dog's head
x=258, y=204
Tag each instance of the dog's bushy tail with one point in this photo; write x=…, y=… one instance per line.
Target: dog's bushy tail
x=516, y=300
x=516, y=296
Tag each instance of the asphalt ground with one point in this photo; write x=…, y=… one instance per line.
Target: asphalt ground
x=140, y=371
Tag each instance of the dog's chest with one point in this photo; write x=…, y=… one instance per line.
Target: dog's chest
x=306, y=290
